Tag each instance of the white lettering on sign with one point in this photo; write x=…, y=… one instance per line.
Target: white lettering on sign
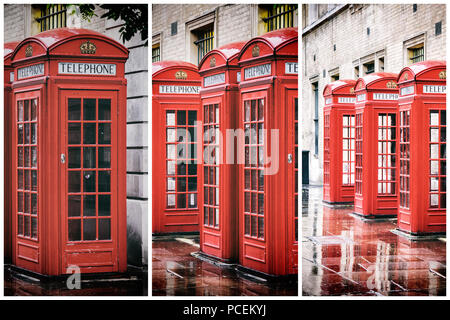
x=179, y=89
x=346, y=100
x=328, y=101
x=258, y=71
x=91, y=69
x=238, y=76
x=434, y=89
x=385, y=96
x=11, y=77
x=361, y=97
x=30, y=71
x=291, y=68
x=214, y=79
x=406, y=90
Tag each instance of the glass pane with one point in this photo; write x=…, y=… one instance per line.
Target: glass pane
x=260, y=227
x=20, y=179
x=34, y=157
x=104, y=109
x=171, y=201
x=88, y=206
x=74, y=206
x=247, y=110
x=74, y=157
x=20, y=224
x=20, y=134
x=74, y=181
x=89, y=157
x=104, y=157
x=171, y=167
x=171, y=151
x=181, y=117
x=104, y=133
x=104, y=205
x=34, y=227
x=34, y=109
x=26, y=110
x=27, y=185
x=181, y=200
x=26, y=134
x=192, y=116
x=181, y=168
x=74, y=230
x=74, y=132
x=74, y=108
x=192, y=186
x=26, y=203
x=434, y=117
x=104, y=181
x=33, y=180
x=26, y=227
x=89, y=181
x=19, y=110
x=171, y=135
x=89, y=111
x=19, y=201
x=181, y=184
x=89, y=133
x=192, y=200
x=247, y=224
x=89, y=229
x=20, y=156
x=253, y=226
x=170, y=118
x=26, y=157
x=104, y=229
x=34, y=203
x=33, y=133
x=192, y=171
x=170, y=184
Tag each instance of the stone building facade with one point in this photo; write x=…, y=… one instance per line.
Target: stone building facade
x=346, y=41
x=20, y=23
x=175, y=27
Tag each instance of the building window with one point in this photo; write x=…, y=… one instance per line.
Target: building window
x=316, y=117
x=369, y=67
x=356, y=72
x=335, y=77
x=279, y=16
x=156, y=53
x=205, y=42
x=416, y=54
x=52, y=17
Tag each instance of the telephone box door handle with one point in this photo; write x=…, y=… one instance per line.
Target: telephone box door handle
x=63, y=158
x=289, y=158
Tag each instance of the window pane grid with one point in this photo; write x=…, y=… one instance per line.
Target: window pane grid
x=211, y=176
x=326, y=149
x=27, y=169
x=348, y=150
x=181, y=162
x=296, y=170
x=254, y=168
x=387, y=153
x=52, y=17
x=89, y=169
x=437, y=155
x=405, y=159
x=358, y=153
x=280, y=16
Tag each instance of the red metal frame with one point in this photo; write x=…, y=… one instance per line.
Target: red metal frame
x=220, y=104
x=376, y=176
x=177, y=178
x=422, y=108
x=339, y=142
x=267, y=217
x=49, y=247
x=8, y=73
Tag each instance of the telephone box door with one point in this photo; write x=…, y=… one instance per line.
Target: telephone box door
x=89, y=173
x=253, y=214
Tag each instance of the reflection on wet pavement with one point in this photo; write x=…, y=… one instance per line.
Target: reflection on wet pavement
x=343, y=255
x=176, y=272
x=16, y=284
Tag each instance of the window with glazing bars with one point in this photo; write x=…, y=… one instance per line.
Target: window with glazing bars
x=52, y=17
x=386, y=153
x=437, y=155
x=348, y=149
x=404, y=158
x=181, y=159
x=280, y=16
x=326, y=149
x=358, y=152
x=417, y=54
x=296, y=170
x=254, y=168
x=211, y=165
x=156, y=53
x=27, y=168
x=205, y=42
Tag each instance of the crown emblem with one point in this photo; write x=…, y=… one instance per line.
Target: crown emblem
x=88, y=48
x=443, y=74
x=406, y=76
x=29, y=51
x=352, y=90
x=391, y=85
x=181, y=75
x=212, y=62
x=255, y=51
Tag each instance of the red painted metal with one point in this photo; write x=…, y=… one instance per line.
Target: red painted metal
x=8, y=73
x=220, y=105
x=68, y=131
x=376, y=117
x=268, y=191
x=177, y=180
x=422, y=165
x=339, y=142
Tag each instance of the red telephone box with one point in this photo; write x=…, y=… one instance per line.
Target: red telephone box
x=176, y=179
x=268, y=163
x=376, y=116
x=422, y=163
x=220, y=104
x=339, y=142
x=8, y=74
x=68, y=132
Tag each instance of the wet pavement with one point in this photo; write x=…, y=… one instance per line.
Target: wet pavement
x=343, y=255
x=177, y=273
x=134, y=283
